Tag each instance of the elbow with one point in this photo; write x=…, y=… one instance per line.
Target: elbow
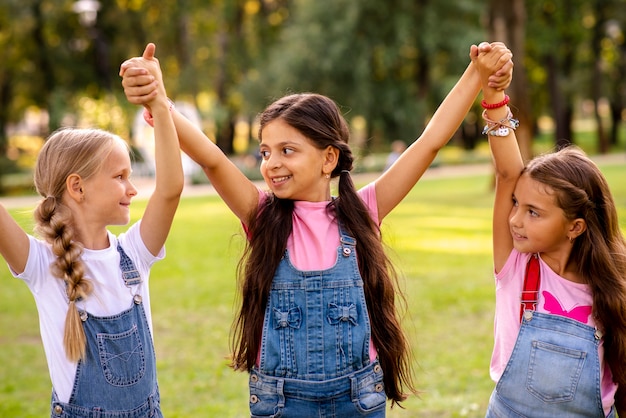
x=507, y=175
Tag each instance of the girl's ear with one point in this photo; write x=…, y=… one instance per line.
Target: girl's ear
x=577, y=227
x=74, y=186
x=331, y=159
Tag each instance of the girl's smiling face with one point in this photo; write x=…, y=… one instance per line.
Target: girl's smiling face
x=109, y=192
x=292, y=166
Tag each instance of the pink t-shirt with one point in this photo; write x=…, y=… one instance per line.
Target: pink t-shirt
x=315, y=237
x=557, y=296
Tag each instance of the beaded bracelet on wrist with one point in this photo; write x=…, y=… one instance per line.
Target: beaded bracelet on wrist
x=501, y=127
x=503, y=103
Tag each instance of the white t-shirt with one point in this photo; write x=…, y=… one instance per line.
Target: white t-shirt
x=110, y=295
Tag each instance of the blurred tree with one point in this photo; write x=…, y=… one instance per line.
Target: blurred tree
x=609, y=52
x=507, y=23
x=391, y=63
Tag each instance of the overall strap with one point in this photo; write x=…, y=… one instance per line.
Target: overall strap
x=347, y=242
x=532, y=279
x=129, y=271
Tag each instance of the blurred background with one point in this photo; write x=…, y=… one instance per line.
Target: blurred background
x=388, y=64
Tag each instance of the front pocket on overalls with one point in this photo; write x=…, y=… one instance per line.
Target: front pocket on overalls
x=371, y=396
x=264, y=400
x=122, y=357
x=554, y=372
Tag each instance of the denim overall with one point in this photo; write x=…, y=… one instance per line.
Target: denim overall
x=553, y=372
x=117, y=377
x=314, y=358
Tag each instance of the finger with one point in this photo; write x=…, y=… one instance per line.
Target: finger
x=473, y=52
x=484, y=47
x=499, y=83
x=140, y=90
x=132, y=71
x=138, y=81
x=136, y=71
x=148, y=53
x=506, y=68
x=140, y=99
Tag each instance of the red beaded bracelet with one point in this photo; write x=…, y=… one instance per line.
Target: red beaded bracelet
x=504, y=102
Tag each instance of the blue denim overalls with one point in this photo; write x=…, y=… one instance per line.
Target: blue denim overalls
x=117, y=378
x=553, y=372
x=314, y=358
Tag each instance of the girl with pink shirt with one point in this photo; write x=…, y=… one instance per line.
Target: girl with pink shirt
x=560, y=270
x=318, y=329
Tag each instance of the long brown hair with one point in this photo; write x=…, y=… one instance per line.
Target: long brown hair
x=68, y=151
x=318, y=118
x=600, y=252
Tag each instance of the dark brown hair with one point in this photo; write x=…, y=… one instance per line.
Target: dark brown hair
x=600, y=252
x=319, y=119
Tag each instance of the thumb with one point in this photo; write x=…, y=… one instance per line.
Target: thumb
x=148, y=53
x=473, y=52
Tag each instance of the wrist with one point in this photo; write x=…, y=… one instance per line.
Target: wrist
x=492, y=101
x=147, y=115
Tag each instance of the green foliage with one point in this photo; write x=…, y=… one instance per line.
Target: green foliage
x=439, y=237
x=380, y=62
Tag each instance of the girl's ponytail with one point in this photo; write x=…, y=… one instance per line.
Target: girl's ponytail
x=54, y=225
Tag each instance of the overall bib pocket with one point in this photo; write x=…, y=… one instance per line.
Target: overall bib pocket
x=122, y=357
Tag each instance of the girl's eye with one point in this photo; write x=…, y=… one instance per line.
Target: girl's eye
x=265, y=154
x=533, y=213
x=515, y=204
x=287, y=151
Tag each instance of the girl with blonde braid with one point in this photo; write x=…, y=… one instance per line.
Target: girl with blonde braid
x=90, y=286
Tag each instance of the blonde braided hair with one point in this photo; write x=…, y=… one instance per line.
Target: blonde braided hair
x=68, y=151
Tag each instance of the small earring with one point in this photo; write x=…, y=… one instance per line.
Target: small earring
x=571, y=240
x=327, y=175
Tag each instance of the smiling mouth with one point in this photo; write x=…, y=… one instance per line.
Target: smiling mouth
x=517, y=236
x=280, y=179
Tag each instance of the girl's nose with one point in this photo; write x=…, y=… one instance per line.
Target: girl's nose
x=273, y=161
x=514, y=218
x=131, y=190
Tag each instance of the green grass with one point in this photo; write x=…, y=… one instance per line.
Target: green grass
x=439, y=237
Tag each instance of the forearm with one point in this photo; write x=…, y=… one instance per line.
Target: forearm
x=452, y=111
x=397, y=181
x=169, y=171
x=196, y=144
x=237, y=191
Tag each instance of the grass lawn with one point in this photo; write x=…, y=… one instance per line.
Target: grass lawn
x=439, y=236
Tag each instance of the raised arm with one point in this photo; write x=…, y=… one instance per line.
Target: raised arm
x=507, y=161
x=237, y=191
x=394, y=184
x=159, y=215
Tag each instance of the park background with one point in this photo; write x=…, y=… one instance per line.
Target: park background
x=388, y=64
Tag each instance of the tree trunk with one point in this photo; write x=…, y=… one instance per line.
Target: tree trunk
x=597, y=76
